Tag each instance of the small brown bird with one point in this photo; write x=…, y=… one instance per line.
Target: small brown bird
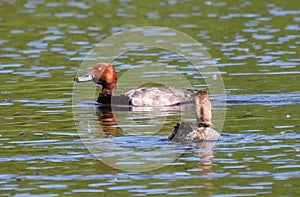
x=200, y=131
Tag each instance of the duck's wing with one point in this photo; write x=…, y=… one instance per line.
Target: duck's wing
x=187, y=132
x=183, y=132
x=159, y=96
x=207, y=134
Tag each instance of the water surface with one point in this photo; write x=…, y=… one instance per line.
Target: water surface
x=255, y=45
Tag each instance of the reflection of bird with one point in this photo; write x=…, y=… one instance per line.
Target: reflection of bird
x=203, y=129
x=108, y=122
x=104, y=74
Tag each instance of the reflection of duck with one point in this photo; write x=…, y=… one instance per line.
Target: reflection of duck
x=108, y=122
x=104, y=74
x=203, y=129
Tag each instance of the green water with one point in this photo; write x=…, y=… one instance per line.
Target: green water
x=255, y=46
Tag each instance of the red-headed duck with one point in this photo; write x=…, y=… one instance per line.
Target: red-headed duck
x=104, y=74
x=203, y=129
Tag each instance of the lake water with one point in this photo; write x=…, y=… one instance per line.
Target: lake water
x=52, y=145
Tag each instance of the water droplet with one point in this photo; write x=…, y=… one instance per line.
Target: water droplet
x=229, y=154
x=215, y=77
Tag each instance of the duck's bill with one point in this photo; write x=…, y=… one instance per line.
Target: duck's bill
x=85, y=78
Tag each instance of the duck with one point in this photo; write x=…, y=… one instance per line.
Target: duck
x=104, y=74
x=202, y=129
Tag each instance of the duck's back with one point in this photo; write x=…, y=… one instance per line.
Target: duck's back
x=159, y=96
x=188, y=131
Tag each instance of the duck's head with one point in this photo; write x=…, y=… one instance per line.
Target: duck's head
x=103, y=74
